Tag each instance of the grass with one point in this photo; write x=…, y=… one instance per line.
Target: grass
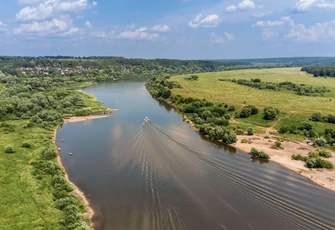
x=26, y=203
x=208, y=86
x=293, y=108
x=27, y=200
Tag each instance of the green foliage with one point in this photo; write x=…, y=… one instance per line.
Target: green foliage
x=320, y=141
x=250, y=131
x=248, y=111
x=325, y=153
x=306, y=125
x=48, y=154
x=27, y=145
x=278, y=145
x=259, y=154
x=270, y=113
x=299, y=157
x=9, y=149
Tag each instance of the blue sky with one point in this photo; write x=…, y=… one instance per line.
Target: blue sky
x=181, y=29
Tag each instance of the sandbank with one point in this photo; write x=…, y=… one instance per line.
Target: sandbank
x=282, y=156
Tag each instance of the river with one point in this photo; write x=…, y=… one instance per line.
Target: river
x=162, y=174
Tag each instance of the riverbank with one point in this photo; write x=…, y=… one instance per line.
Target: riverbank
x=80, y=194
x=282, y=156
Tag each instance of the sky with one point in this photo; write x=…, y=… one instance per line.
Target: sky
x=179, y=29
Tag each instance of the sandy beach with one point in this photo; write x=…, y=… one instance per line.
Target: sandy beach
x=282, y=156
x=323, y=177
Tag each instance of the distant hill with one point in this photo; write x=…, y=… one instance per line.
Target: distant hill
x=289, y=60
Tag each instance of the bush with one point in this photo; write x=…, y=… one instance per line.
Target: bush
x=259, y=154
x=9, y=149
x=298, y=157
x=26, y=145
x=321, y=141
x=250, y=131
x=325, y=153
x=48, y=154
x=278, y=145
x=270, y=113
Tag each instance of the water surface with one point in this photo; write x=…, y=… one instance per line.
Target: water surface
x=161, y=174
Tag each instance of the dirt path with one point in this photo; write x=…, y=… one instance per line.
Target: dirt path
x=271, y=128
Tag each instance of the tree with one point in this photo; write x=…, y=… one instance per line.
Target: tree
x=270, y=113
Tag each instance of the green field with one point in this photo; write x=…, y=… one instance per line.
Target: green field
x=293, y=108
x=26, y=203
x=208, y=86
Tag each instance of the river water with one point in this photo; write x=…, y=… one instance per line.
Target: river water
x=161, y=174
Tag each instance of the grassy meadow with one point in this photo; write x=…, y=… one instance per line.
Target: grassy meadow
x=26, y=201
x=293, y=108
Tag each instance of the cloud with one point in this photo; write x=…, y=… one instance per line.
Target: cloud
x=320, y=32
x=262, y=14
x=3, y=27
x=88, y=24
x=307, y=5
x=139, y=34
x=60, y=27
x=290, y=30
x=211, y=20
x=47, y=9
x=215, y=39
x=161, y=28
x=244, y=5
x=268, y=23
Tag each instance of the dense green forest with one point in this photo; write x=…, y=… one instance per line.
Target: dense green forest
x=320, y=71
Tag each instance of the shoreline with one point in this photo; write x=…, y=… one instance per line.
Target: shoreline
x=80, y=194
x=322, y=177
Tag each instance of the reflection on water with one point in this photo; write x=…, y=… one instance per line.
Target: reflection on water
x=162, y=175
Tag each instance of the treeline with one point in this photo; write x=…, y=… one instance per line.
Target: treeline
x=320, y=71
x=211, y=119
x=111, y=68
x=299, y=89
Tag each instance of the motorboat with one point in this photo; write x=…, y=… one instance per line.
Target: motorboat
x=146, y=119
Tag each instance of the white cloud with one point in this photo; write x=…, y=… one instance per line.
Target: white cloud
x=161, y=28
x=319, y=32
x=262, y=14
x=3, y=27
x=268, y=23
x=215, y=39
x=56, y=27
x=211, y=20
x=47, y=9
x=88, y=24
x=307, y=5
x=2, y=24
x=244, y=5
x=139, y=34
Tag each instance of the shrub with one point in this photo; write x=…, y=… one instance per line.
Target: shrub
x=278, y=145
x=26, y=145
x=325, y=153
x=259, y=154
x=250, y=131
x=313, y=154
x=298, y=157
x=48, y=154
x=320, y=141
x=9, y=149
